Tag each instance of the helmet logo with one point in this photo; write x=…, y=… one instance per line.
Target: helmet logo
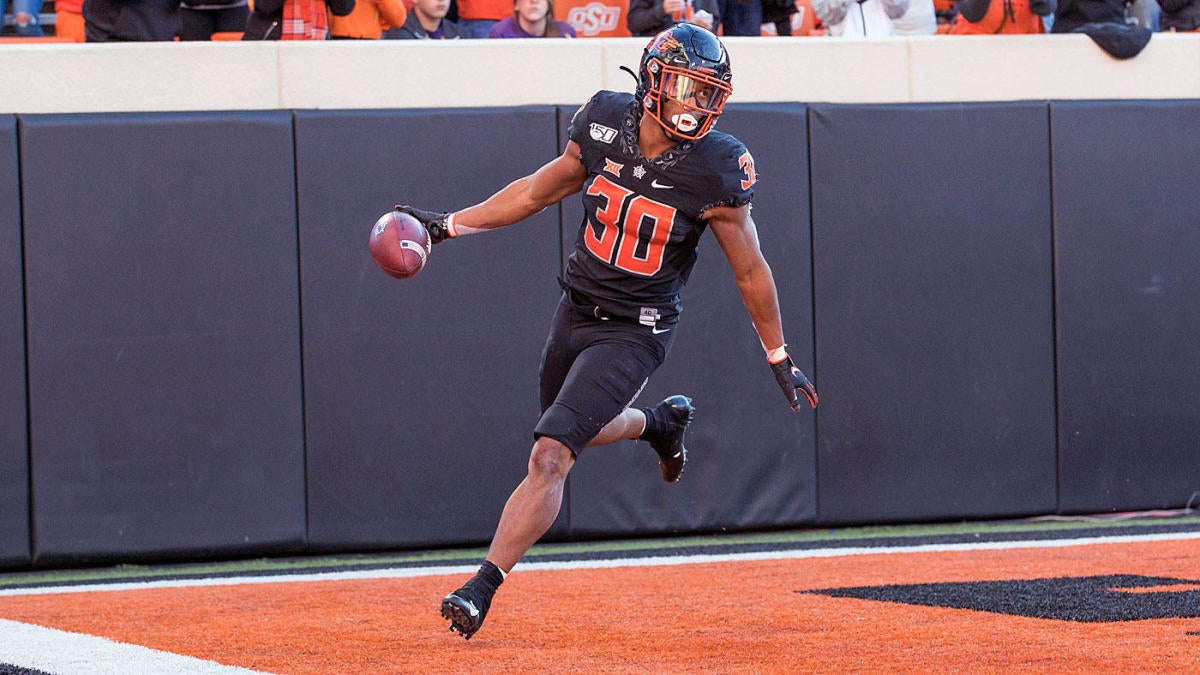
x=665, y=42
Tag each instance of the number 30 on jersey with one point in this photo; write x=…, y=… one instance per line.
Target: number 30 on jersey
x=618, y=244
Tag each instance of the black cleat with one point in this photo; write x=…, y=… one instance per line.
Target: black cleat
x=676, y=412
x=465, y=609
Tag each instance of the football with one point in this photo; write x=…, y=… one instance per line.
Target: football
x=399, y=244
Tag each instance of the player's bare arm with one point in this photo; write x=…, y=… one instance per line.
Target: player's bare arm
x=557, y=179
x=738, y=237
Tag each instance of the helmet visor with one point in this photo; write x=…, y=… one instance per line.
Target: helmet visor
x=695, y=90
x=697, y=97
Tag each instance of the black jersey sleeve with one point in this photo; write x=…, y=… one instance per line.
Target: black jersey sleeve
x=733, y=176
x=603, y=123
x=577, y=129
x=741, y=178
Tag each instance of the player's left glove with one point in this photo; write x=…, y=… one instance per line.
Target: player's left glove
x=438, y=224
x=791, y=381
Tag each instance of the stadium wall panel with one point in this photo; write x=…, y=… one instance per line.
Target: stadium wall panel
x=935, y=356
x=751, y=460
x=216, y=368
x=421, y=394
x=164, y=358
x=14, y=447
x=1125, y=211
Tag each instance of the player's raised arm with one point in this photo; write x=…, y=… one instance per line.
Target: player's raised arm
x=738, y=237
x=560, y=177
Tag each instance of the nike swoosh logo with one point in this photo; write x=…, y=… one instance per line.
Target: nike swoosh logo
x=655, y=183
x=471, y=606
x=659, y=331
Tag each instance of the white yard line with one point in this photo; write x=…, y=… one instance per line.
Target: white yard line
x=63, y=653
x=650, y=561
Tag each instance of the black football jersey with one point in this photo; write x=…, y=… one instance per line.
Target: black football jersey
x=641, y=230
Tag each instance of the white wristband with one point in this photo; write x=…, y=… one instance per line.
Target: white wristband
x=778, y=354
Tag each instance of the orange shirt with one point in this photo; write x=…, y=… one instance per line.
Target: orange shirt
x=485, y=9
x=1003, y=16
x=68, y=20
x=365, y=22
x=808, y=20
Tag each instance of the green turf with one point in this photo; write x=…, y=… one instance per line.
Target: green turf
x=645, y=546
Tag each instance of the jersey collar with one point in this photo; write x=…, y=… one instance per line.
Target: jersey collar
x=630, y=123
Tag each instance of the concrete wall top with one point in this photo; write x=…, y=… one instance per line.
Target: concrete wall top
x=56, y=78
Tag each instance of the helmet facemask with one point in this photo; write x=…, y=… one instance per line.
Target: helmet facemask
x=696, y=99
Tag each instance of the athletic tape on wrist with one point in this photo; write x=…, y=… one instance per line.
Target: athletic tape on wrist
x=778, y=354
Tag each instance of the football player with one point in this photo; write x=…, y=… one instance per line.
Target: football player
x=654, y=177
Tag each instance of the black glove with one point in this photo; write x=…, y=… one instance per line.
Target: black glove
x=791, y=380
x=434, y=222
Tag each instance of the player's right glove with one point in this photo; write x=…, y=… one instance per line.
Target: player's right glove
x=436, y=223
x=791, y=381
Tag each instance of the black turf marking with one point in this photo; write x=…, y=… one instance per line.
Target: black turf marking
x=10, y=669
x=1086, y=599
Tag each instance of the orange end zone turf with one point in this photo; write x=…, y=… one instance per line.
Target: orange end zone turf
x=750, y=616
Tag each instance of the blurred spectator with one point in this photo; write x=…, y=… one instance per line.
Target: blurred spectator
x=988, y=17
x=476, y=17
x=68, y=20
x=801, y=23
x=202, y=18
x=859, y=18
x=131, y=20
x=532, y=19
x=292, y=19
x=1072, y=14
x=945, y=11
x=367, y=19
x=25, y=16
x=779, y=13
x=1104, y=21
x=740, y=17
x=1180, y=15
x=1145, y=13
x=920, y=19
x=648, y=18
x=427, y=21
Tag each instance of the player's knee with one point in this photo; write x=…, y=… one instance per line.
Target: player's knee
x=550, y=459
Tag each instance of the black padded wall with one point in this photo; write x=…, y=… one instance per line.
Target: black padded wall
x=1126, y=211
x=166, y=294
x=421, y=394
x=931, y=226
x=164, y=355
x=751, y=459
x=14, y=449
